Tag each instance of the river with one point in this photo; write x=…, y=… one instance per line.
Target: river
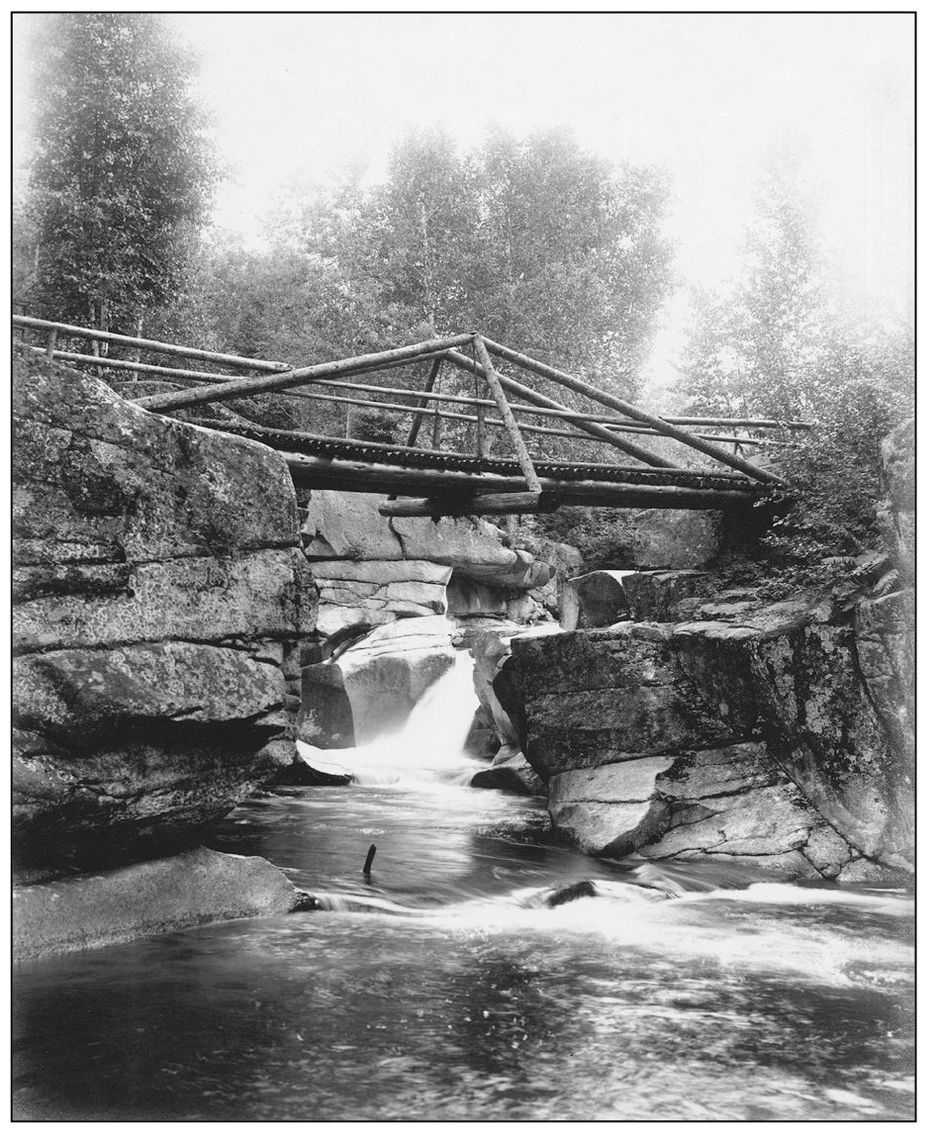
x=442, y=988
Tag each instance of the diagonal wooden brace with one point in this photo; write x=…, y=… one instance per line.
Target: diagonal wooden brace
x=662, y=426
x=523, y=455
x=434, y=370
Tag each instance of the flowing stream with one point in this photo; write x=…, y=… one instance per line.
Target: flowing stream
x=443, y=986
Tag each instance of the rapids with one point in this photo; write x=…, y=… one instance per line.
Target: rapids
x=442, y=987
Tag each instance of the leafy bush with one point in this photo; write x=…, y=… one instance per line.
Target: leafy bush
x=374, y=425
x=836, y=474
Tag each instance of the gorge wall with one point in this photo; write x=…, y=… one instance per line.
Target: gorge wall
x=159, y=595
x=701, y=722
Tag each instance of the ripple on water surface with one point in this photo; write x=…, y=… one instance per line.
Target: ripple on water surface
x=766, y=1002
x=445, y=989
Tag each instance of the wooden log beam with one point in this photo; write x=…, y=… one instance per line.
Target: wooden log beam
x=661, y=425
x=498, y=424
x=632, y=426
x=135, y=366
x=387, y=478
x=589, y=426
x=522, y=502
x=548, y=413
x=495, y=424
x=745, y=440
x=96, y=335
x=170, y=401
x=520, y=449
x=434, y=369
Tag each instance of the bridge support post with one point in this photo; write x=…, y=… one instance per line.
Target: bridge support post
x=523, y=455
x=434, y=370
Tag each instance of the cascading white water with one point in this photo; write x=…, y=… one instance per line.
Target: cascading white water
x=428, y=748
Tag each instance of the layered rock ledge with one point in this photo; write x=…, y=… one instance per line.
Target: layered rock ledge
x=779, y=734
x=159, y=595
x=373, y=570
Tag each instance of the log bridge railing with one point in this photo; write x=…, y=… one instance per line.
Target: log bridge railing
x=447, y=482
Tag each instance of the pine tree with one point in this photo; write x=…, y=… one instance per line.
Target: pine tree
x=122, y=172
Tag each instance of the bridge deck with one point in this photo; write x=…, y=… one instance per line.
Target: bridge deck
x=329, y=447
x=453, y=481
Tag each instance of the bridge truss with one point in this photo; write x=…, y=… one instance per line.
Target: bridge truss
x=434, y=479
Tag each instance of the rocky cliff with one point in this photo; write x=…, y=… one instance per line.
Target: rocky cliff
x=707, y=724
x=159, y=592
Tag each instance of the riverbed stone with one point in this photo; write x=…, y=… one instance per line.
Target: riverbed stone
x=611, y=810
x=145, y=899
x=512, y=774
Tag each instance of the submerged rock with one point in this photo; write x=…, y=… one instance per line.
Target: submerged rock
x=571, y=893
x=511, y=774
x=148, y=898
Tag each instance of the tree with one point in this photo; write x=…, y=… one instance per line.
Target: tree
x=755, y=350
x=534, y=242
x=775, y=346
x=122, y=172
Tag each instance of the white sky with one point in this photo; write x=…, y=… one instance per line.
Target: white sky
x=701, y=95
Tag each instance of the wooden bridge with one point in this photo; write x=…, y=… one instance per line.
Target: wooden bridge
x=436, y=479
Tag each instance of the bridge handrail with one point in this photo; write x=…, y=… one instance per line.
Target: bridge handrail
x=624, y=421
x=664, y=428
x=81, y=332
x=282, y=377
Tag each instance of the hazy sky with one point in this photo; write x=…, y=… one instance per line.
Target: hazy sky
x=704, y=96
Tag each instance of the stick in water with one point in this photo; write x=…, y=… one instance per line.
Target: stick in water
x=370, y=858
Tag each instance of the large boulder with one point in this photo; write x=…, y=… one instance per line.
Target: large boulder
x=159, y=594
x=124, y=750
x=490, y=648
x=350, y=528
x=147, y=898
x=608, y=596
x=728, y=803
x=373, y=686
x=756, y=737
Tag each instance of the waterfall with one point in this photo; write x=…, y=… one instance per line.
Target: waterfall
x=428, y=748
